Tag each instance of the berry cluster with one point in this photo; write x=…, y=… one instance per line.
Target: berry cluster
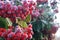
x=18, y=34
x=13, y=11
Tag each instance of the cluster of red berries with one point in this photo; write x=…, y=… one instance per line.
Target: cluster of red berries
x=13, y=11
x=18, y=34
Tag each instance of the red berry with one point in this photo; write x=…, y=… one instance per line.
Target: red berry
x=25, y=35
x=9, y=31
x=54, y=28
x=29, y=36
x=11, y=34
x=10, y=27
x=5, y=35
x=0, y=34
x=30, y=25
x=19, y=6
x=14, y=15
x=8, y=39
x=18, y=34
x=18, y=15
x=2, y=30
x=9, y=12
x=23, y=17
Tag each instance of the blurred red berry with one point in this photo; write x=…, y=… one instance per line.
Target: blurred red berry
x=29, y=36
x=1, y=33
x=8, y=39
x=30, y=25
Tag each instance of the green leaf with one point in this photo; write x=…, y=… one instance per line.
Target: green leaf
x=2, y=38
x=3, y=23
x=37, y=26
x=45, y=22
x=9, y=22
x=18, y=2
x=28, y=18
x=22, y=24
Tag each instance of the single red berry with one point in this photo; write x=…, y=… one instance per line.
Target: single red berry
x=29, y=36
x=8, y=39
x=30, y=25
x=23, y=17
x=1, y=33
